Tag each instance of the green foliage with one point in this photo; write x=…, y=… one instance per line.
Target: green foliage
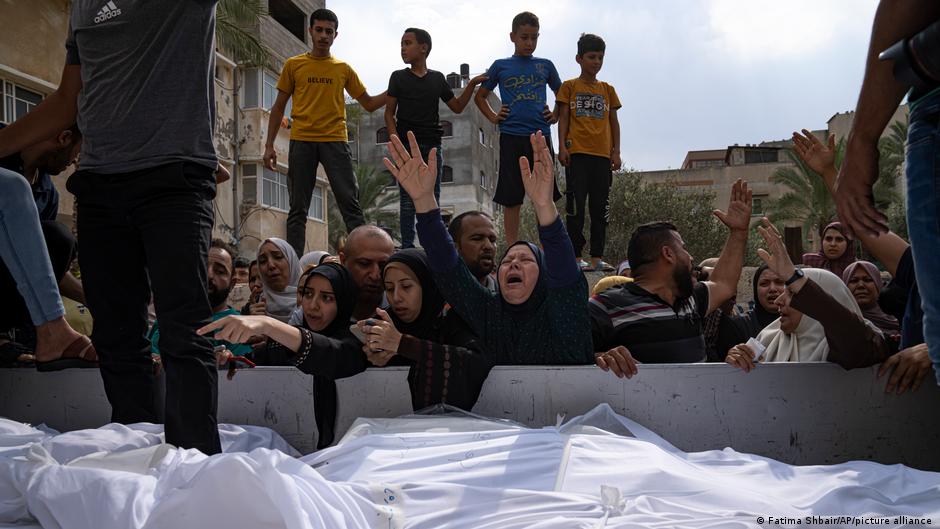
x=372, y=185
x=635, y=201
x=807, y=200
x=234, y=23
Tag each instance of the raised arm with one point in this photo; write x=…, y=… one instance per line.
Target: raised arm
x=50, y=117
x=877, y=102
x=723, y=281
x=887, y=247
x=457, y=104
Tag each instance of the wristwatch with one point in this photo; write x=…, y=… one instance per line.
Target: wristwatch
x=797, y=275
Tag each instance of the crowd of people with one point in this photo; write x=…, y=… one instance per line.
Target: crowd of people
x=449, y=311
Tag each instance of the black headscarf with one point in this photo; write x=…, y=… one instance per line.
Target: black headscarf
x=539, y=292
x=737, y=329
x=346, y=293
x=426, y=325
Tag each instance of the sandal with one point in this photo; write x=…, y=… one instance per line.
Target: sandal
x=79, y=354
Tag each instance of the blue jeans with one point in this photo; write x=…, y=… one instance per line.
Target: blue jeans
x=23, y=249
x=407, y=206
x=923, y=213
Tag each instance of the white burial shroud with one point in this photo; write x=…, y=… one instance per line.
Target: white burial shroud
x=597, y=470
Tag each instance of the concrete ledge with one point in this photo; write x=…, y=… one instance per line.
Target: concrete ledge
x=796, y=413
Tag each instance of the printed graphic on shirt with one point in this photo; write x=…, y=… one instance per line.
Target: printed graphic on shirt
x=588, y=105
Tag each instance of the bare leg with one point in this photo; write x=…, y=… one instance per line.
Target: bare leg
x=52, y=338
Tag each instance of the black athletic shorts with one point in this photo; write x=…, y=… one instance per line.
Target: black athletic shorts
x=509, y=190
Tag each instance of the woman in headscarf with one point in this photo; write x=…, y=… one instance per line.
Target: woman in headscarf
x=321, y=345
x=280, y=270
x=838, y=251
x=865, y=283
x=539, y=315
x=819, y=318
x=446, y=364
x=738, y=329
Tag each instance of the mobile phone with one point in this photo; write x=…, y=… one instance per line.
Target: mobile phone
x=357, y=332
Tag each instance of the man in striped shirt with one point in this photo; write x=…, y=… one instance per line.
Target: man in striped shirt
x=658, y=317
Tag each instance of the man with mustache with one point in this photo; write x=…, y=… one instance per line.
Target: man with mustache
x=658, y=318
x=474, y=236
x=366, y=251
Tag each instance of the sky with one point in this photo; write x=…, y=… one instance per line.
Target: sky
x=691, y=74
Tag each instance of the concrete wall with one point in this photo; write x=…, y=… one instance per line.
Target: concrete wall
x=797, y=413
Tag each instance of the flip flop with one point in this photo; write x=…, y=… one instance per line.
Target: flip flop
x=79, y=354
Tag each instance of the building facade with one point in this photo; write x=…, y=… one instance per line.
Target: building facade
x=716, y=170
x=253, y=204
x=470, y=148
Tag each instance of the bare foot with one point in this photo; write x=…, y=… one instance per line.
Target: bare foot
x=52, y=338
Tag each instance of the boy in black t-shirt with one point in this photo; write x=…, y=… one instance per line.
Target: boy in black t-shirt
x=412, y=105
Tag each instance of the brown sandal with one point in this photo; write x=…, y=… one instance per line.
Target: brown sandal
x=79, y=354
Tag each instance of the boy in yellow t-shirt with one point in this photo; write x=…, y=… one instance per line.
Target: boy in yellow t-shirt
x=589, y=148
x=316, y=82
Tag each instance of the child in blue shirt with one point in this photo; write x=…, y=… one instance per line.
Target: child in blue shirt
x=522, y=79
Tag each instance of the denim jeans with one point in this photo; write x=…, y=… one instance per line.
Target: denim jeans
x=407, y=206
x=923, y=213
x=141, y=232
x=24, y=252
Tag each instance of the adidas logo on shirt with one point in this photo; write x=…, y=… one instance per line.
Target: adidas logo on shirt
x=107, y=12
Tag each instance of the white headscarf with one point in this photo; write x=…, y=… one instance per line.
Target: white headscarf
x=808, y=342
x=280, y=304
x=311, y=258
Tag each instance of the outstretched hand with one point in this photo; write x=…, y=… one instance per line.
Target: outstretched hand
x=775, y=255
x=738, y=216
x=416, y=177
x=818, y=157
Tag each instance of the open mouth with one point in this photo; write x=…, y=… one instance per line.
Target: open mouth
x=513, y=278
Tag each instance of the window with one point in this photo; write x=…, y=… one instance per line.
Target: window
x=761, y=156
x=381, y=136
x=482, y=179
x=260, y=90
x=269, y=91
x=316, y=204
x=274, y=189
x=285, y=13
x=482, y=138
x=17, y=101
x=448, y=128
x=250, y=183
x=757, y=207
x=447, y=175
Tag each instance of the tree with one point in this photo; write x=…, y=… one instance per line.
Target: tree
x=234, y=22
x=374, y=196
x=807, y=199
x=634, y=201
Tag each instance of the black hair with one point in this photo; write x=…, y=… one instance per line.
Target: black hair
x=241, y=262
x=525, y=18
x=456, y=224
x=646, y=241
x=422, y=36
x=589, y=42
x=76, y=132
x=222, y=245
x=325, y=15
